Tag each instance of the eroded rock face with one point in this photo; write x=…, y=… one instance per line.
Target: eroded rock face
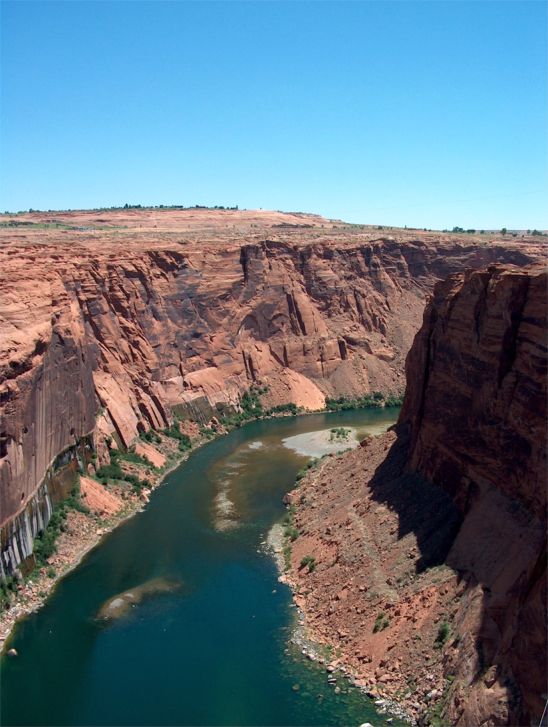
x=430, y=573
x=109, y=325
x=476, y=409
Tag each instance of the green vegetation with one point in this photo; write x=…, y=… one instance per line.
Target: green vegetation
x=128, y=456
x=207, y=432
x=251, y=408
x=45, y=543
x=308, y=466
x=286, y=552
x=469, y=231
x=291, y=532
x=443, y=634
x=128, y=206
x=111, y=471
x=151, y=436
x=434, y=715
x=381, y=622
x=339, y=433
x=7, y=587
x=175, y=433
x=373, y=400
x=309, y=562
x=289, y=408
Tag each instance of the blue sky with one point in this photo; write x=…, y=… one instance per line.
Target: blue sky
x=428, y=114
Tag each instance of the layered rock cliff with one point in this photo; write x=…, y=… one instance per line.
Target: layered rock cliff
x=477, y=419
x=108, y=324
x=430, y=542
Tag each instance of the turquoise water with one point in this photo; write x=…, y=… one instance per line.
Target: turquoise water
x=216, y=650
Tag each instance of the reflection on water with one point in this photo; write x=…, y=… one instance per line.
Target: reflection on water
x=214, y=652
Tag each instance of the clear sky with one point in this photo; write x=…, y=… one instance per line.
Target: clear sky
x=428, y=114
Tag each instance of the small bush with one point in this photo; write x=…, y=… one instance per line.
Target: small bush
x=111, y=471
x=151, y=436
x=289, y=515
x=185, y=443
x=291, y=532
x=309, y=562
x=130, y=456
x=175, y=433
x=443, y=633
x=286, y=551
x=45, y=543
x=381, y=622
x=206, y=432
x=338, y=434
x=290, y=408
x=74, y=500
x=308, y=466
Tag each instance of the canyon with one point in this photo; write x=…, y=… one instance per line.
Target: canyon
x=116, y=323
x=113, y=320
x=429, y=542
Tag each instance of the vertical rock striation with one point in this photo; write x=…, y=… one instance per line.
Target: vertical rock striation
x=476, y=411
x=106, y=332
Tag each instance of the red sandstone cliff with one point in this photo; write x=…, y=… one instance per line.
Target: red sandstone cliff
x=443, y=521
x=110, y=323
x=477, y=417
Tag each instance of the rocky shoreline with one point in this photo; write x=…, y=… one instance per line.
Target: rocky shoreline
x=312, y=646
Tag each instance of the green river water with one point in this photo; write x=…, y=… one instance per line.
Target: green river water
x=215, y=651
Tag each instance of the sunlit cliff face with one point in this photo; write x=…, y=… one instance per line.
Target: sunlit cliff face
x=110, y=323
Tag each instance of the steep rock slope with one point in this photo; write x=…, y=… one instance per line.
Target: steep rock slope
x=477, y=416
x=108, y=323
x=431, y=559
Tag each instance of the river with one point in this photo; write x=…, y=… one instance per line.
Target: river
x=216, y=649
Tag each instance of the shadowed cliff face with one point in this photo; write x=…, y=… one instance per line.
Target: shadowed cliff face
x=442, y=521
x=476, y=412
x=106, y=332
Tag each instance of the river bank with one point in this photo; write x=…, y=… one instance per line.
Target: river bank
x=369, y=590
x=313, y=645
x=82, y=532
x=224, y=633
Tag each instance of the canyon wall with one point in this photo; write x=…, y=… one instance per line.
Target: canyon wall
x=476, y=411
x=105, y=333
x=429, y=542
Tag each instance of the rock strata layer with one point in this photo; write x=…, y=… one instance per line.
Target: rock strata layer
x=430, y=541
x=112, y=320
